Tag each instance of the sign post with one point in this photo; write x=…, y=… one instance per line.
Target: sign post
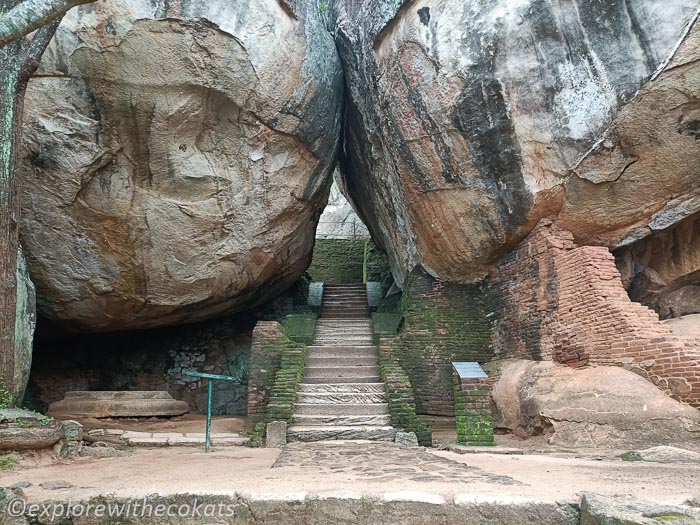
x=210, y=392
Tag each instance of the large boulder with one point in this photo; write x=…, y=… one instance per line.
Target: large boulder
x=178, y=156
x=601, y=407
x=25, y=323
x=468, y=121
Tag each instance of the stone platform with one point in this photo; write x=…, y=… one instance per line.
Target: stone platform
x=170, y=439
x=354, y=482
x=104, y=404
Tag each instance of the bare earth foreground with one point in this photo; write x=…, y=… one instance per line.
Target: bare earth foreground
x=355, y=482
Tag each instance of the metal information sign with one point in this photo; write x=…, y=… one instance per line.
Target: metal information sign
x=469, y=369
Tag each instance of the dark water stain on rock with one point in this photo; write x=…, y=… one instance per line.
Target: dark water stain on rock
x=424, y=15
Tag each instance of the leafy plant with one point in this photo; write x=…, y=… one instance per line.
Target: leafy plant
x=5, y=397
x=323, y=7
x=8, y=462
x=46, y=421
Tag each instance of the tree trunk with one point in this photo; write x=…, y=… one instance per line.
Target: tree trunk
x=18, y=61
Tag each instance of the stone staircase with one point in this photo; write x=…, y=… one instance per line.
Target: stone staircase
x=341, y=395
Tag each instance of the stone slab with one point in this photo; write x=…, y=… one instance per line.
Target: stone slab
x=108, y=404
x=276, y=434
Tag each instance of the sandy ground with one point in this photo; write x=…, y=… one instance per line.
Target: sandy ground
x=249, y=471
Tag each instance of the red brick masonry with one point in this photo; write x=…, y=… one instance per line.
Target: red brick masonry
x=566, y=303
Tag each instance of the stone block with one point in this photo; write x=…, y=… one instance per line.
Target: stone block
x=276, y=434
x=406, y=439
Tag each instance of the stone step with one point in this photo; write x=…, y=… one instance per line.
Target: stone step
x=343, y=341
x=347, y=409
x=330, y=398
x=339, y=334
x=321, y=433
x=343, y=387
x=338, y=315
x=347, y=329
x=339, y=302
x=344, y=306
x=336, y=372
x=320, y=380
x=343, y=323
x=347, y=335
x=310, y=421
x=322, y=360
x=342, y=351
x=174, y=439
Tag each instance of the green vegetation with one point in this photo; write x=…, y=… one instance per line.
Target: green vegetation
x=632, y=455
x=323, y=7
x=5, y=397
x=672, y=517
x=298, y=331
x=9, y=461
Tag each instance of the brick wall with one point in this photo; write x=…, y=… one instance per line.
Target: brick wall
x=442, y=322
x=338, y=261
x=278, y=354
x=473, y=416
x=566, y=303
x=399, y=392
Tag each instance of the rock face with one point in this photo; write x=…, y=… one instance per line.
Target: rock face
x=662, y=271
x=468, y=121
x=25, y=322
x=600, y=407
x=178, y=156
x=339, y=220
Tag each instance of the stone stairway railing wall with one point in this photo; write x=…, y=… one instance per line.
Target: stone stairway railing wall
x=278, y=358
x=399, y=392
x=566, y=303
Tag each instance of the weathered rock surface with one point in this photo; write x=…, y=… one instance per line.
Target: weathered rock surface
x=626, y=510
x=468, y=121
x=25, y=323
x=178, y=156
x=606, y=407
x=662, y=271
x=27, y=430
x=339, y=220
x=663, y=454
x=687, y=325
